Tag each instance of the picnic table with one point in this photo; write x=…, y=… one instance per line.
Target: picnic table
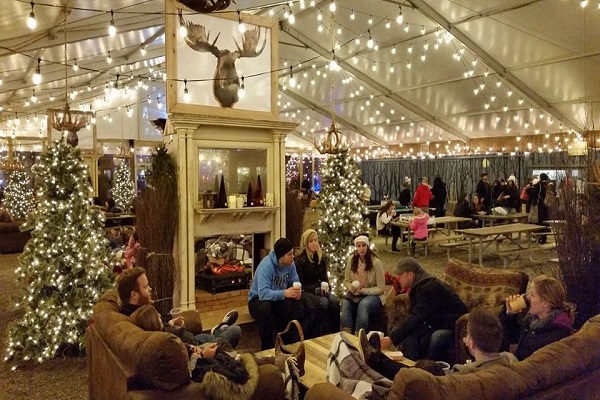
x=481, y=235
x=449, y=224
x=520, y=217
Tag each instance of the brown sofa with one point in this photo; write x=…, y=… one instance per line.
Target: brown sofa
x=477, y=287
x=12, y=240
x=567, y=369
x=125, y=362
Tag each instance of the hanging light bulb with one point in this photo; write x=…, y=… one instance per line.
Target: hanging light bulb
x=182, y=27
x=332, y=6
x=242, y=90
x=291, y=18
x=370, y=42
x=408, y=64
x=320, y=29
x=583, y=3
x=374, y=67
x=33, y=97
x=75, y=66
x=31, y=21
x=520, y=101
x=394, y=49
x=400, y=17
x=370, y=20
x=292, y=79
x=241, y=26
x=109, y=58
x=158, y=103
x=422, y=29
x=186, y=92
x=112, y=29
x=388, y=24
x=320, y=16
x=509, y=93
x=37, y=77
x=423, y=57
x=51, y=98
x=352, y=16
x=143, y=50
x=392, y=68
x=493, y=98
x=410, y=49
x=406, y=27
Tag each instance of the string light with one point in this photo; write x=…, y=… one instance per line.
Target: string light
x=422, y=29
x=352, y=16
x=292, y=79
x=400, y=17
x=241, y=26
x=75, y=66
x=370, y=42
x=370, y=20
x=388, y=24
x=33, y=97
x=182, y=27
x=186, y=94
x=31, y=21
x=109, y=58
x=242, y=90
x=143, y=50
x=37, y=76
x=332, y=6
x=112, y=29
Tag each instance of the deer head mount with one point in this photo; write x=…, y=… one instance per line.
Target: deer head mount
x=205, y=6
x=226, y=82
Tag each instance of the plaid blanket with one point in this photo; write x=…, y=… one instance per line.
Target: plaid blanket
x=347, y=370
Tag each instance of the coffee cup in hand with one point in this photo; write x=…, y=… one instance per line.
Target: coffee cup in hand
x=355, y=285
x=325, y=287
x=297, y=285
x=176, y=312
x=518, y=304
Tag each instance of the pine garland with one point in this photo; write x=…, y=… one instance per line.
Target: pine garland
x=341, y=214
x=64, y=267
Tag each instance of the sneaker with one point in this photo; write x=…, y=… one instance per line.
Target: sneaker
x=228, y=320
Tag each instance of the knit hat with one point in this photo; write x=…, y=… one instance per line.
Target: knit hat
x=361, y=238
x=512, y=178
x=282, y=247
x=535, y=181
x=543, y=176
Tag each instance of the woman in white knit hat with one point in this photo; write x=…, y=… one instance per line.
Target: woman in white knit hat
x=364, y=280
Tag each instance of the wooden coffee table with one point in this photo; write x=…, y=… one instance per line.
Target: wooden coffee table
x=317, y=350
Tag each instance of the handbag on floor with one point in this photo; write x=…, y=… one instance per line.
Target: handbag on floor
x=283, y=351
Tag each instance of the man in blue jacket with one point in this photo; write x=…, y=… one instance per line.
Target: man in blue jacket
x=273, y=299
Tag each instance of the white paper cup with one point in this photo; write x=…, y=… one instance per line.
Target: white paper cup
x=297, y=285
x=325, y=286
x=445, y=366
x=356, y=284
x=518, y=304
x=176, y=312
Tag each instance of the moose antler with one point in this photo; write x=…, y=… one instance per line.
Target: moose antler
x=198, y=39
x=249, y=43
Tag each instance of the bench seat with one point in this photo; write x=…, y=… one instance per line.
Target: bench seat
x=507, y=253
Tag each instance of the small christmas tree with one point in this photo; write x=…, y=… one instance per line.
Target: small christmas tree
x=18, y=195
x=63, y=268
x=341, y=214
x=123, y=190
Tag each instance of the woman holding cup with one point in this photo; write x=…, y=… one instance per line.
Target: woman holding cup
x=364, y=279
x=548, y=318
x=322, y=308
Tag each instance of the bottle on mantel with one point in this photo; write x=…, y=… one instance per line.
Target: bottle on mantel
x=250, y=196
x=259, y=200
x=222, y=199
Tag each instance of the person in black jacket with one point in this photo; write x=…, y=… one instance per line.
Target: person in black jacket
x=405, y=196
x=320, y=304
x=428, y=331
x=484, y=191
x=463, y=209
x=440, y=193
x=548, y=319
x=509, y=198
x=537, y=194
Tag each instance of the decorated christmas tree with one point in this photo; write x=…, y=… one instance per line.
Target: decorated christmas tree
x=341, y=213
x=18, y=195
x=63, y=268
x=123, y=190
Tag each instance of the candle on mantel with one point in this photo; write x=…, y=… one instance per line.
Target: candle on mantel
x=232, y=201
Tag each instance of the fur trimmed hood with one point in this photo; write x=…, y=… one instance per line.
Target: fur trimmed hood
x=217, y=387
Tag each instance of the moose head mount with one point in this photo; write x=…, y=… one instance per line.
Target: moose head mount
x=226, y=82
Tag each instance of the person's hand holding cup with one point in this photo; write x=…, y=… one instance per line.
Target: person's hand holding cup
x=516, y=303
x=176, y=317
x=355, y=287
x=324, y=288
x=297, y=286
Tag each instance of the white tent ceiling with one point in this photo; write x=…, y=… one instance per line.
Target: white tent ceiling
x=491, y=68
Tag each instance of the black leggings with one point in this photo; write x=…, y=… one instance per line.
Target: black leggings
x=271, y=315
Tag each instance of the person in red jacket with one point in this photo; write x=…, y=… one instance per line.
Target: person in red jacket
x=422, y=196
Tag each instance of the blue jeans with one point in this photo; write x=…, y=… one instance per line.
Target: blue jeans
x=441, y=341
x=232, y=335
x=417, y=345
x=355, y=316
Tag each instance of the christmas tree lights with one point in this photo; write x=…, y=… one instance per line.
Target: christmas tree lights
x=123, y=190
x=341, y=214
x=65, y=264
x=19, y=194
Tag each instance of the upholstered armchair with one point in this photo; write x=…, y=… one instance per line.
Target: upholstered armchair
x=477, y=287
